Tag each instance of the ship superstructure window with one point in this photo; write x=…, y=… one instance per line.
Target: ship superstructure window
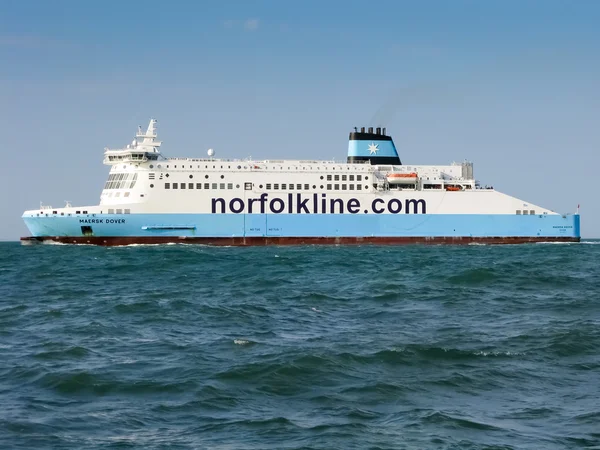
x=182, y=185
x=328, y=177
x=214, y=185
x=328, y=187
x=532, y=212
x=337, y=178
x=167, y=185
x=525, y=212
x=276, y=186
x=229, y=185
x=518, y=212
x=358, y=177
x=351, y=186
x=351, y=177
x=268, y=187
x=222, y=186
x=198, y=185
x=344, y=177
x=175, y=185
x=299, y=187
x=121, y=181
x=190, y=185
x=206, y=185
x=336, y=187
x=344, y=187
x=306, y=187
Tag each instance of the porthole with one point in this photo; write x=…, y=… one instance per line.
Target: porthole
x=239, y=167
x=151, y=166
x=321, y=177
x=321, y=186
x=191, y=176
x=237, y=186
x=314, y=187
x=222, y=176
x=261, y=186
x=151, y=185
x=159, y=166
x=206, y=176
x=366, y=178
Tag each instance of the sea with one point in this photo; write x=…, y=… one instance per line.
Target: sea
x=309, y=347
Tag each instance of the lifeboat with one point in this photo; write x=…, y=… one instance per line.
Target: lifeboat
x=403, y=178
x=453, y=188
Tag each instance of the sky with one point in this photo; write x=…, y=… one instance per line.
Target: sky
x=513, y=86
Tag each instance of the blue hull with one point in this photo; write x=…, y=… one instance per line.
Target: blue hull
x=386, y=227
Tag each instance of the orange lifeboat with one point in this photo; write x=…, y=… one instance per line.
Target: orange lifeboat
x=403, y=178
x=453, y=188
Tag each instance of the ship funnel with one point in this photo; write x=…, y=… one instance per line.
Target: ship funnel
x=377, y=148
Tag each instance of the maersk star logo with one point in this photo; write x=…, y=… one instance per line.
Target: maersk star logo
x=373, y=148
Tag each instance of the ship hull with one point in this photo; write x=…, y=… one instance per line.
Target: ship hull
x=292, y=229
x=110, y=241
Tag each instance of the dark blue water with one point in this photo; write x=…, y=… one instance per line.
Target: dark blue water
x=475, y=347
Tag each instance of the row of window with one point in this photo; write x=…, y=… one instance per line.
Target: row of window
x=345, y=178
x=183, y=166
x=119, y=211
x=526, y=212
x=198, y=185
x=268, y=186
x=121, y=181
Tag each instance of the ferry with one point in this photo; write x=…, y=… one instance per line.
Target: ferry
x=371, y=198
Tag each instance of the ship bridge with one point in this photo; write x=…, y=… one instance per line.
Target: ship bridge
x=144, y=147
